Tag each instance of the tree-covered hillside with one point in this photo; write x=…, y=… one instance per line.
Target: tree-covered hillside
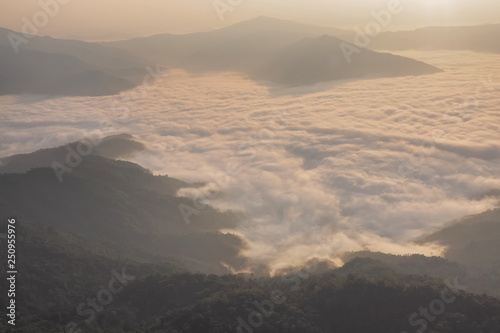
x=61, y=285
x=137, y=214
x=108, y=250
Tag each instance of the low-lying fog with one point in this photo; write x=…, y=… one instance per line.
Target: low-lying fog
x=362, y=165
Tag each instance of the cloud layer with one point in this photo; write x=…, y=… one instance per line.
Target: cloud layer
x=315, y=172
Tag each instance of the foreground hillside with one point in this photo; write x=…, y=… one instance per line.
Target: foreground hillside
x=473, y=242
x=63, y=287
x=137, y=214
x=105, y=248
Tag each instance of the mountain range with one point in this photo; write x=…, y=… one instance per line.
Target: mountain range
x=275, y=51
x=267, y=50
x=56, y=67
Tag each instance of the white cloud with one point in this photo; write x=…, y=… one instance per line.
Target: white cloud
x=363, y=165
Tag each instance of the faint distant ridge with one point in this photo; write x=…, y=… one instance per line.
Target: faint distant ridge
x=266, y=23
x=272, y=50
x=481, y=38
x=173, y=48
x=265, y=49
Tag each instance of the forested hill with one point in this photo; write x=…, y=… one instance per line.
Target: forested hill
x=130, y=211
x=63, y=285
x=107, y=250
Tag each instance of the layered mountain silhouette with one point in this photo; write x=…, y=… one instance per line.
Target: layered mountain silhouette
x=483, y=38
x=34, y=72
x=173, y=49
x=48, y=66
x=264, y=49
x=275, y=51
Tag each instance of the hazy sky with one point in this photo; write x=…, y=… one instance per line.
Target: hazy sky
x=118, y=19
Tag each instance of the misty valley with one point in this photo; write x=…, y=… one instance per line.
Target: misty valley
x=261, y=175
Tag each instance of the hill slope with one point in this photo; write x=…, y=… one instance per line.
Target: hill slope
x=120, y=203
x=322, y=59
x=49, y=66
x=34, y=72
x=112, y=228
x=472, y=240
x=483, y=38
x=62, y=285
